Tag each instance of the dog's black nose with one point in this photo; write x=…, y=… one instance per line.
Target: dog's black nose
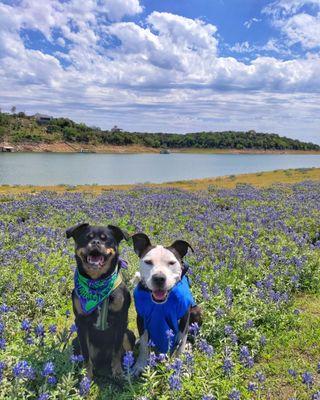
x=159, y=279
x=95, y=242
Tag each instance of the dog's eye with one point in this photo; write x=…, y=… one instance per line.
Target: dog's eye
x=91, y=236
x=148, y=262
x=172, y=262
x=103, y=237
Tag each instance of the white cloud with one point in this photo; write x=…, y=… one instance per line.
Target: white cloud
x=117, y=9
x=250, y=22
x=303, y=28
x=295, y=23
x=286, y=7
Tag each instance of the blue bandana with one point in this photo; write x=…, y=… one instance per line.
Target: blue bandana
x=161, y=318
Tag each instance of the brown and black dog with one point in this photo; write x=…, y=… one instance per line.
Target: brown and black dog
x=100, y=299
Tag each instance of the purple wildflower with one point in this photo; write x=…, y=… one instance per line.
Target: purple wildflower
x=234, y=395
x=175, y=382
x=44, y=396
x=84, y=387
x=128, y=360
x=22, y=369
x=76, y=358
x=25, y=325
x=307, y=379
x=40, y=302
x=48, y=369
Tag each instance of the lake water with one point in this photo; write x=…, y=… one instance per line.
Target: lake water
x=76, y=169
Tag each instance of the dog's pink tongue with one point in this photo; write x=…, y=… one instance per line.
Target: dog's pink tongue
x=95, y=259
x=159, y=294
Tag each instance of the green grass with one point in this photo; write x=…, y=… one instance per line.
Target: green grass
x=296, y=348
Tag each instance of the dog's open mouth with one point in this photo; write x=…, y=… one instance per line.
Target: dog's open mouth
x=159, y=295
x=95, y=259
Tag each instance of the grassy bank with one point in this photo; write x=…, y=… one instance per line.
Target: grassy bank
x=259, y=179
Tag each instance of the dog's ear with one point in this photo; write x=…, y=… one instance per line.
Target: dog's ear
x=76, y=229
x=181, y=247
x=140, y=243
x=118, y=233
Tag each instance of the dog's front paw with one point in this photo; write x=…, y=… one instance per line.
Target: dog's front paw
x=117, y=372
x=138, y=367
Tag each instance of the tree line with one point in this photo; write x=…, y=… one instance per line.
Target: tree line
x=20, y=128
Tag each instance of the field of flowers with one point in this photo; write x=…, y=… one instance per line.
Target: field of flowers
x=256, y=250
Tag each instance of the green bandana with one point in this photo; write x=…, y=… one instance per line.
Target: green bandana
x=93, y=292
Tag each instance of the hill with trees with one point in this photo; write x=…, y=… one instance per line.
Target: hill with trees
x=18, y=128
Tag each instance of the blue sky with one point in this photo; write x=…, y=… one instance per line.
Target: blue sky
x=163, y=65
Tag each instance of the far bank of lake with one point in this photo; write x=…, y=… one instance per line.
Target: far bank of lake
x=68, y=147
x=49, y=169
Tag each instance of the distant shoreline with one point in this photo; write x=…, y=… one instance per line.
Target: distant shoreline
x=65, y=147
x=258, y=179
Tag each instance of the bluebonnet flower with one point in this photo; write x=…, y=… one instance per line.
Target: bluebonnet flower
x=84, y=387
x=48, y=368
x=228, y=330
x=151, y=344
x=161, y=357
x=216, y=289
x=174, y=382
x=40, y=302
x=176, y=366
x=263, y=340
x=204, y=290
x=2, y=367
x=169, y=333
x=128, y=360
x=76, y=358
x=318, y=368
x=4, y=308
x=244, y=353
x=44, y=396
x=227, y=366
x=22, y=369
x=307, y=379
x=316, y=396
x=229, y=296
x=39, y=330
x=1, y=328
x=205, y=347
x=170, y=336
x=73, y=328
x=25, y=325
x=153, y=359
x=52, y=328
x=219, y=312
x=68, y=313
x=194, y=329
x=234, y=338
x=292, y=372
x=208, y=397
x=260, y=376
x=189, y=360
x=234, y=395
x=52, y=380
x=252, y=387
x=248, y=324
x=29, y=340
x=3, y=344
